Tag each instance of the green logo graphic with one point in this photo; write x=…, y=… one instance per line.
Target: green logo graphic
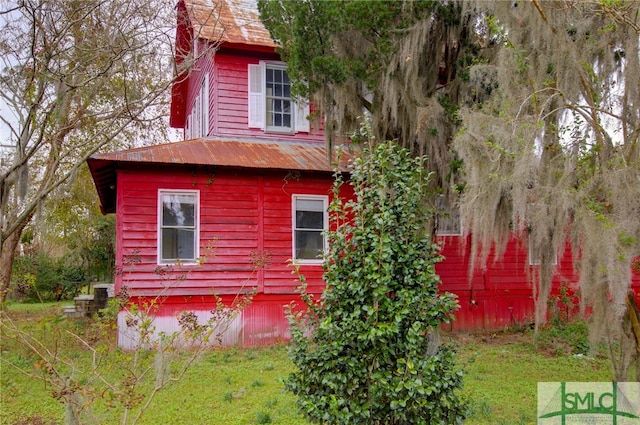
x=616, y=403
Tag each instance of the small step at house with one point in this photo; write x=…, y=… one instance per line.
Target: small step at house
x=87, y=305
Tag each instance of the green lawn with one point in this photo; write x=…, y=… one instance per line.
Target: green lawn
x=244, y=386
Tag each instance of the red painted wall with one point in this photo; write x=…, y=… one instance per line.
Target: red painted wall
x=501, y=294
x=228, y=95
x=242, y=214
x=184, y=38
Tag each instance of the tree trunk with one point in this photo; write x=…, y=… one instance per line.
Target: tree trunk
x=7, y=255
x=633, y=312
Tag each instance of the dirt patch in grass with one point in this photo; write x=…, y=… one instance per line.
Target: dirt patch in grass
x=552, y=340
x=495, y=338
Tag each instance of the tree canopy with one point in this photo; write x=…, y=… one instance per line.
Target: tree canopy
x=395, y=62
x=527, y=110
x=75, y=77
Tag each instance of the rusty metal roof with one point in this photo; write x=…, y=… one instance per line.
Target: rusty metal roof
x=252, y=154
x=231, y=21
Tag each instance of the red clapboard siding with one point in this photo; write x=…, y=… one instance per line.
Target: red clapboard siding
x=229, y=98
x=241, y=214
x=245, y=214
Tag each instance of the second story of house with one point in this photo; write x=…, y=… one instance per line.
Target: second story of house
x=231, y=81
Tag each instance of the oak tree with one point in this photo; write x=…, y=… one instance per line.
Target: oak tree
x=527, y=110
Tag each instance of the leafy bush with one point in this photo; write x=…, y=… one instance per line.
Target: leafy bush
x=39, y=277
x=369, y=350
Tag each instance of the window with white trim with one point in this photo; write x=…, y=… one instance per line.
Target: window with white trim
x=535, y=258
x=198, y=119
x=447, y=217
x=271, y=107
x=310, y=222
x=178, y=223
x=534, y=244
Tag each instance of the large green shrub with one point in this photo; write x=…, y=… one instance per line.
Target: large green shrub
x=368, y=352
x=38, y=277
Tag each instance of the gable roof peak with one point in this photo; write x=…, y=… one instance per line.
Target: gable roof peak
x=228, y=21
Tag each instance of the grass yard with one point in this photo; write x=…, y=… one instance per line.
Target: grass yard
x=244, y=386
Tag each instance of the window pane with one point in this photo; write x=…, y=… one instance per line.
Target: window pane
x=309, y=245
x=303, y=204
x=447, y=217
x=269, y=113
x=309, y=220
x=178, y=210
x=278, y=99
x=178, y=244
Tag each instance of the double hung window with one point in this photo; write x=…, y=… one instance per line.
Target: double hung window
x=447, y=217
x=271, y=106
x=178, y=226
x=278, y=100
x=535, y=254
x=310, y=222
x=537, y=248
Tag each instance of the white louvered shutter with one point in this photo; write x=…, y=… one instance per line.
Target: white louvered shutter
x=302, y=113
x=256, y=96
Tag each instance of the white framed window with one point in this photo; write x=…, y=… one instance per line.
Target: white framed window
x=178, y=226
x=534, y=255
x=198, y=119
x=535, y=250
x=271, y=107
x=310, y=223
x=448, y=221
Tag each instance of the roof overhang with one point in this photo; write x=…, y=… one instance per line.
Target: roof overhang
x=228, y=21
x=247, y=154
x=226, y=24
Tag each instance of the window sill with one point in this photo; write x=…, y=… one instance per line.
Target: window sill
x=290, y=132
x=178, y=263
x=300, y=262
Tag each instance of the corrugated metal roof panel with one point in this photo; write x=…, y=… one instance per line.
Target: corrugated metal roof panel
x=276, y=154
x=252, y=154
x=231, y=21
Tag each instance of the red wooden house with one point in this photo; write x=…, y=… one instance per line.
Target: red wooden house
x=247, y=191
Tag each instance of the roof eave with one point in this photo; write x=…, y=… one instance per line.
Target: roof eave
x=103, y=173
